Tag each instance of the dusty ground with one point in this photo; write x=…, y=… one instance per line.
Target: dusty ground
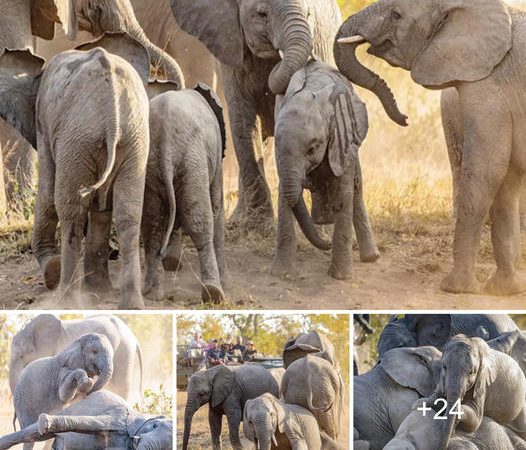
x=200, y=435
x=415, y=258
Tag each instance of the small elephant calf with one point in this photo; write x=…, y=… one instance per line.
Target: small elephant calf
x=184, y=185
x=320, y=125
x=49, y=384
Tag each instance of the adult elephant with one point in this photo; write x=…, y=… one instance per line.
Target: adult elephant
x=46, y=335
x=478, y=48
x=306, y=343
x=416, y=330
x=226, y=391
x=247, y=36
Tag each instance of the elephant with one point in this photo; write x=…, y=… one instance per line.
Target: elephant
x=46, y=335
x=270, y=423
x=278, y=373
x=184, y=186
x=320, y=124
x=311, y=342
x=384, y=396
x=49, y=384
x=101, y=420
x=414, y=330
x=109, y=175
x=513, y=344
x=487, y=382
x=226, y=390
x=419, y=432
x=246, y=36
x=475, y=47
x=313, y=382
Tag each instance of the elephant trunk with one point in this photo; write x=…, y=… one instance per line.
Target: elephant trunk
x=448, y=429
x=307, y=226
x=294, y=40
x=159, y=59
x=349, y=37
x=190, y=410
x=105, y=372
x=263, y=434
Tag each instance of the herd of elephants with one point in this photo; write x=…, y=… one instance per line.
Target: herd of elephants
x=129, y=129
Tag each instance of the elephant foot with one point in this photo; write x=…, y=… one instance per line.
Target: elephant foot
x=340, y=273
x=155, y=293
x=212, y=293
x=506, y=284
x=460, y=283
x=369, y=254
x=132, y=301
x=52, y=272
x=172, y=263
x=286, y=270
x=98, y=283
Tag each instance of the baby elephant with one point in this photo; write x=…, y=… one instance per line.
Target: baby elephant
x=319, y=128
x=271, y=424
x=184, y=185
x=49, y=384
x=486, y=381
x=93, y=138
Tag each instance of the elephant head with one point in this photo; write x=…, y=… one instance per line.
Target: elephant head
x=93, y=353
x=37, y=339
x=441, y=42
x=233, y=29
x=97, y=17
x=154, y=433
x=311, y=127
x=305, y=343
x=207, y=386
x=263, y=417
x=513, y=344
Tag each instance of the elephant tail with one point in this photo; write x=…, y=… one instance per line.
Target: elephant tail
x=139, y=357
x=14, y=421
x=112, y=139
x=170, y=190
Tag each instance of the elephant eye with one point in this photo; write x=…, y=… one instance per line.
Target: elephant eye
x=262, y=12
x=395, y=15
x=155, y=426
x=311, y=151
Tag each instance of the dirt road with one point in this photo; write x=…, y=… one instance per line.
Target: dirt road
x=407, y=276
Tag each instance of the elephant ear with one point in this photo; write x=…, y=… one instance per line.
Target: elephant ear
x=470, y=39
x=44, y=14
x=505, y=342
x=223, y=383
x=215, y=104
x=486, y=374
x=281, y=415
x=123, y=45
x=348, y=129
x=413, y=367
x=46, y=331
x=216, y=24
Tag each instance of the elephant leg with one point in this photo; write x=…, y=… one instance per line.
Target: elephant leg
x=96, y=270
x=153, y=227
x=322, y=212
x=362, y=227
x=341, y=262
x=248, y=145
x=523, y=204
x=46, y=221
x=486, y=158
x=284, y=264
x=128, y=196
x=234, y=418
x=505, y=235
x=218, y=208
x=215, y=421
x=72, y=232
x=172, y=260
x=25, y=436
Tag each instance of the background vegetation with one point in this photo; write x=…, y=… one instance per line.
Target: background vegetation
x=269, y=332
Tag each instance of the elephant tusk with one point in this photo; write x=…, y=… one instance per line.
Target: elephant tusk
x=356, y=39
x=280, y=53
x=274, y=440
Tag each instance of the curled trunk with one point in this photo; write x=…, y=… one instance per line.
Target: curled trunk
x=294, y=40
x=347, y=62
x=307, y=226
x=106, y=372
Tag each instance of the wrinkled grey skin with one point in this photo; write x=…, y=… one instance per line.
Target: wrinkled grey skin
x=414, y=330
x=49, y=384
x=278, y=374
x=486, y=62
x=46, y=335
x=487, y=382
x=311, y=342
x=320, y=125
x=513, y=344
x=423, y=433
x=184, y=187
x=102, y=420
x=74, y=188
x=226, y=390
x=384, y=396
x=245, y=36
x=271, y=424
x=312, y=382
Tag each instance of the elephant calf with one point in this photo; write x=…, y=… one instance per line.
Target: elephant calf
x=93, y=139
x=319, y=128
x=102, y=420
x=49, y=384
x=184, y=185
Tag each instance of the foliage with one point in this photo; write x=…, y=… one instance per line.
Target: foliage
x=156, y=402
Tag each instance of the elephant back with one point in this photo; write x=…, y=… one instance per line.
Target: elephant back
x=308, y=343
x=485, y=326
x=255, y=380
